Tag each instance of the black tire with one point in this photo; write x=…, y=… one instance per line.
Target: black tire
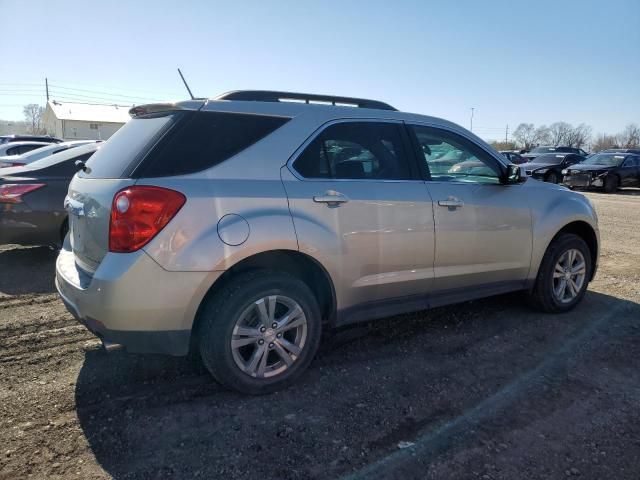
x=611, y=183
x=542, y=297
x=552, y=177
x=220, y=313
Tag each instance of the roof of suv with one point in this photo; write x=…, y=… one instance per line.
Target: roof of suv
x=320, y=107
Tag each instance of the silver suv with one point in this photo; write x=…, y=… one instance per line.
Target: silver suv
x=241, y=227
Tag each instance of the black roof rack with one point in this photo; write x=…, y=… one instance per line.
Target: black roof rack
x=271, y=96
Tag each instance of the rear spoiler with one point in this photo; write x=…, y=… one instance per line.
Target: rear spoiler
x=140, y=110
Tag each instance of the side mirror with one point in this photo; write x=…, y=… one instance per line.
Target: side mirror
x=515, y=174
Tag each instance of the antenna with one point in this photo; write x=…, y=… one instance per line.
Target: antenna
x=185, y=84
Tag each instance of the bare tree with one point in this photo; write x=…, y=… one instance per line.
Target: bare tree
x=578, y=136
x=542, y=135
x=501, y=145
x=33, y=116
x=630, y=136
x=604, y=141
x=525, y=135
x=559, y=133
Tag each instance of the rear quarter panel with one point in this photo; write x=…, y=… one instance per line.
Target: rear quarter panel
x=192, y=240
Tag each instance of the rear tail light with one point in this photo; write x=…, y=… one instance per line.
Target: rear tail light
x=11, y=164
x=12, y=192
x=138, y=214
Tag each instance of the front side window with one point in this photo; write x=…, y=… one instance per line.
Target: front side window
x=356, y=151
x=450, y=157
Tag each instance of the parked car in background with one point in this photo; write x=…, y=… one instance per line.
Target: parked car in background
x=18, y=148
x=536, y=152
x=27, y=158
x=514, y=157
x=32, y=197
x=605, y=170
x=29, y=138
x=622, y=150
x=244, y=225
x=548, y=167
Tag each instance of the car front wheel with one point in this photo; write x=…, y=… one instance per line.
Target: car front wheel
x=260, y=332
x=610, y=183
x=552, y=177
x=563, y=276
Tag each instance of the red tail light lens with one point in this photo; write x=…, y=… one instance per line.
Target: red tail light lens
x=138, y=213
x=11, y=164
x=12, y=192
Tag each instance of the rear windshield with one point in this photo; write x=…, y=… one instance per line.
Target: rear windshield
x=127, y=145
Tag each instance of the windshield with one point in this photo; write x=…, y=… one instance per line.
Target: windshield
x=549, y=159
x=605, y=159
x=544, y=150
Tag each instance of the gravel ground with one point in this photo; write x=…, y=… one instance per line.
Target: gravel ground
x=487, y=389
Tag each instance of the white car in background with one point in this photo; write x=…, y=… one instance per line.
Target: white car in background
x=32, y=156
x=18, y=148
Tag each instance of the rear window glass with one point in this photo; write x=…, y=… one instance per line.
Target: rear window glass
x=204, y=139
x=127, y=145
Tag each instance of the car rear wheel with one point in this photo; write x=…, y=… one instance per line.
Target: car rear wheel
x=552, y=177
x=610, y=183
x=563, y=276
x=260, y=332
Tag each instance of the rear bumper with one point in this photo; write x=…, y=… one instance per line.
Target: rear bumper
x=132, y=301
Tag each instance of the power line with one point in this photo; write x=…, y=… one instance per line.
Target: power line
x=61, y=94
x=72, y=90
x=146, y=91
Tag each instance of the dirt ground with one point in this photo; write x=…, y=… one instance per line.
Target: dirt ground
x=487, y=389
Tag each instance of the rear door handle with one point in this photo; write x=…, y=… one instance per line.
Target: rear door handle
x=451, y=202
x=331, y=198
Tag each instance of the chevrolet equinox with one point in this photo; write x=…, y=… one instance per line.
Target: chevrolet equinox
x=242, y=227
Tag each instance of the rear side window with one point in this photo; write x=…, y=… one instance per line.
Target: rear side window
x=204, y=139
x=356, y=151
x=127, y=146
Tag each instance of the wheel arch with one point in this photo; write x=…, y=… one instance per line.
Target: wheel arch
x=298, y=264
x=585, y=231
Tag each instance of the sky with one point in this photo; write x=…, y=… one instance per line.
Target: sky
x=512, y=61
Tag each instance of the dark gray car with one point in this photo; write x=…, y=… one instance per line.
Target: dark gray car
x=32, y=198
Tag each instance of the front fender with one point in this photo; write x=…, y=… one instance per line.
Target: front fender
x=552, y=209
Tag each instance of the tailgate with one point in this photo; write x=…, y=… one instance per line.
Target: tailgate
x=88, y=205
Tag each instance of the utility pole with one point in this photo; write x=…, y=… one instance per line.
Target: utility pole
x=46, y=83
x=506, y=135
x=472, y=109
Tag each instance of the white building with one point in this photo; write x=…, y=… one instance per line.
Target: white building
x=83, y=121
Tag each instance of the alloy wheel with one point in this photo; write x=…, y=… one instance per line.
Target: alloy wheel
x=569, y=275
x=269, y=336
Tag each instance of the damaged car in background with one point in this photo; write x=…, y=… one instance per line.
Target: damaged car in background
x=608, y=171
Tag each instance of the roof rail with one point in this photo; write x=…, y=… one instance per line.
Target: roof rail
x=309, y=98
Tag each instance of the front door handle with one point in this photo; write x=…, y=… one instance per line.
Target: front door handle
x=331, y=198
x=451, y=202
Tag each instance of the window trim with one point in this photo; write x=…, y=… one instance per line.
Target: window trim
x=411, y=159
x=426, y=174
